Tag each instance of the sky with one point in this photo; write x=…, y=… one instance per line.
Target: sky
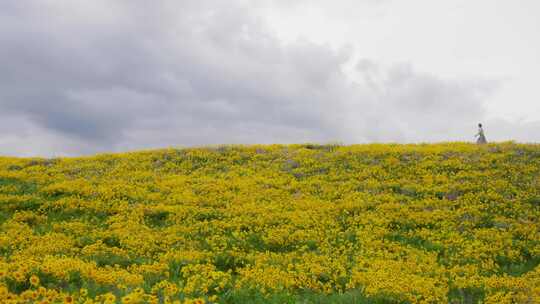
x=85, y=77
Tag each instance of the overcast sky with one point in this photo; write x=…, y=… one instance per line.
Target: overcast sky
x=81, y=77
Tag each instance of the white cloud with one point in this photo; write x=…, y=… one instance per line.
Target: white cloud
x=129, y=75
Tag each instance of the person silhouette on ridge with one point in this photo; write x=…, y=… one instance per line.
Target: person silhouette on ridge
x=481, y=137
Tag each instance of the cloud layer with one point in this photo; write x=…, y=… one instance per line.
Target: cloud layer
x=97, y=76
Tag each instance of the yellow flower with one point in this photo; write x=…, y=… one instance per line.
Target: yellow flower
x=110, y=298
x=34, y=280
x=42, y=291
x=83, y=292
x=127, y=299
x=68, y=300
x=19, y=276
x=407, y=222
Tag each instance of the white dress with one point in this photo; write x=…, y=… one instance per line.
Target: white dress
x=481, y=137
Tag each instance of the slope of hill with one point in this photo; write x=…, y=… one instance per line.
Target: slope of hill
x=434, y=223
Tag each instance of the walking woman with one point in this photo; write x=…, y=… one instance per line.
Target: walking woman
x=481, y=137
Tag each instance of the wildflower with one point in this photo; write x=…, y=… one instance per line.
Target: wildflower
x=110, y=298
x=68, y=300
x=42, y=291
x=409, y=223
x=19, y=276
x=127, y=299
x=34, y=280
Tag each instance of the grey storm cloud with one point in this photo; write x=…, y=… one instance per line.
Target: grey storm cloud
x=85, y=77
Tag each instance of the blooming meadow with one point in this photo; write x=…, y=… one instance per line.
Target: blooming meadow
x=433, y=223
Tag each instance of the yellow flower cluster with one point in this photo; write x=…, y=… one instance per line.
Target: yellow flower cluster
x=430, y=223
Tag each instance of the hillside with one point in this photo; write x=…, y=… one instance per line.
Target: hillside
x=432, y=223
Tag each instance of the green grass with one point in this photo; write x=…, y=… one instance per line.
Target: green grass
x=518, y=268
x=304, y=297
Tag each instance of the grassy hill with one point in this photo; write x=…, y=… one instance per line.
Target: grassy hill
x=435, y=223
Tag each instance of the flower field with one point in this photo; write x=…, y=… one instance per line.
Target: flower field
x=434, y=223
